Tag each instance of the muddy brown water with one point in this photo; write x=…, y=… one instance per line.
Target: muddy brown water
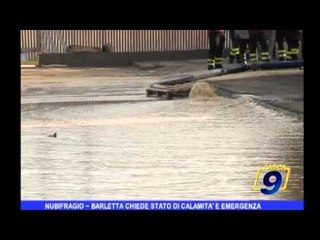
x=179, y=149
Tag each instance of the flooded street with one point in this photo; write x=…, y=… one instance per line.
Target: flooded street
x=133, y=147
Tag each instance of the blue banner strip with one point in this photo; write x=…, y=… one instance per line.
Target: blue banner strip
x=163, y=205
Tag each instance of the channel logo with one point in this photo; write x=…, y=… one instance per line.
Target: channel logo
x=272, y=178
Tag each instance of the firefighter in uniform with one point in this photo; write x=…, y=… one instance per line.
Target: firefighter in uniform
x=302, y=43
x=240, y=40
x=216, y=47
x=258, y=36
x=292, y=39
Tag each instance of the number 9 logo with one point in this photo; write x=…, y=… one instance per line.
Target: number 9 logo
x=276, y=184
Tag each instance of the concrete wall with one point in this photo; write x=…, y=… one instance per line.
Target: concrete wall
x=116, y=59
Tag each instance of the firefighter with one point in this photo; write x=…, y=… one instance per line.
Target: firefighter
x=240, y=40
x=302, y=42
x=216, y=47
x=258, y=36
x=291, y=37
x=302, y=46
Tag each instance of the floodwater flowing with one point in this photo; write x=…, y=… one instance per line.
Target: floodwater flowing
x=150, y=149
x=202, y=91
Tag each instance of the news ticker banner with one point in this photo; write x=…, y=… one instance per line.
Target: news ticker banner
x=162, y=205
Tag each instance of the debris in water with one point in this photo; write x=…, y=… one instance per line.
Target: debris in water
x=53, y=135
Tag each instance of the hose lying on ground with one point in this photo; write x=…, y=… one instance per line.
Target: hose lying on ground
x=163, y=87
